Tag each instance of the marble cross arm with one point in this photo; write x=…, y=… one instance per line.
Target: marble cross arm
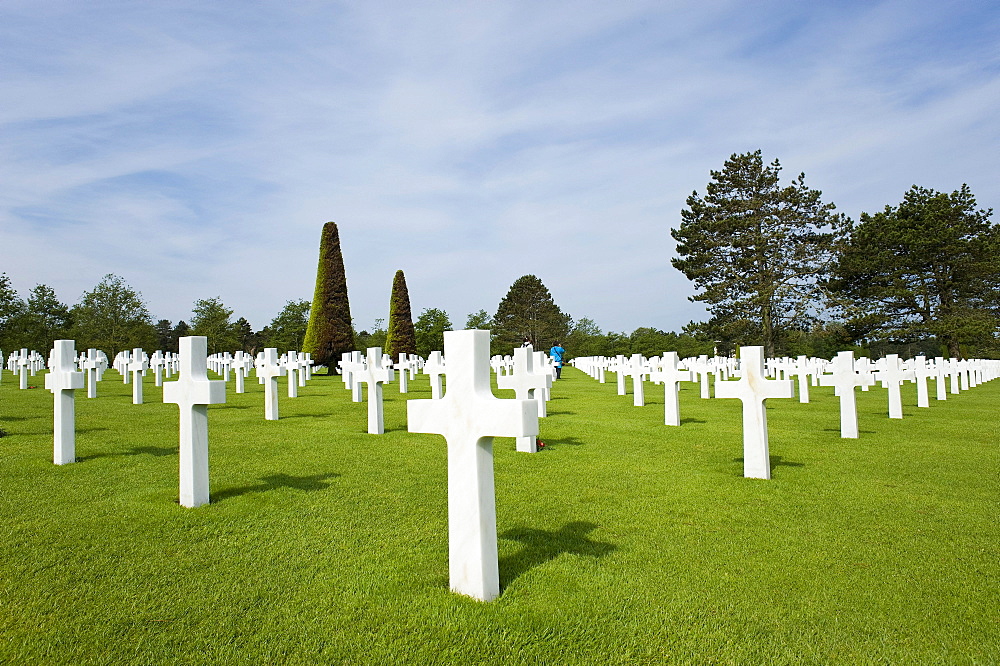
x=64, y=375
x=496, y=418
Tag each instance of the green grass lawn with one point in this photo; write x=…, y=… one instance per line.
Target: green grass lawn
x=623, y=542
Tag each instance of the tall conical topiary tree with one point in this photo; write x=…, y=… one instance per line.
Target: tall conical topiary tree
x=401, y=338
x=329, y=333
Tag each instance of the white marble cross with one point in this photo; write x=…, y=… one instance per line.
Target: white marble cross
x=754, y=390
x=305, y=358
x=241, y=366
x=703, y=369
x=137, y=366
x=921, y=373
x=403, y=367
x=63, y=379
x=844, y=379
x=435, y=368
x=156, y=363
x=940, y=388
x=91, y=366
x=120, y=363
x=619, y=366
x=351, y=364
x=635, y=368
x=527, y=384
x=864, y=367
x=291, y=362
x=892, y=377
x=375, y=373
x=470, y=416
x=303, y=366
x=671, y=376
x=193, y=392
x=803, y=368
x=23, y=361
x=953, y=375
x=268, y=370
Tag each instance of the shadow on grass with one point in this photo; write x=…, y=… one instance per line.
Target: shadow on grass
x=274, y=481
x=553, y=412
x=305, y=416
x=690, y=419
x=540, y=546
x=778, y=461
x=571, y=441
x=860, y=432
x=158, y=451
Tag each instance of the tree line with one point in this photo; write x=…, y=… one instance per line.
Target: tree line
x=113, y=317
x=775, y=265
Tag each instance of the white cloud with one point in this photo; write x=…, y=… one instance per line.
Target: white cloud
x=198, y=149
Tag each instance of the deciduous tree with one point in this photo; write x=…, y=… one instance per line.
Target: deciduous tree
x=287, y=331
x=11, y=308
x=479, y=320
x=45, y=319
x=430, y=328
x=210, y=317
x=112, y=317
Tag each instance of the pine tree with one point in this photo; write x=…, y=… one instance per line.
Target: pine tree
x=164, y=330
x=929, y=267
x=329, y=333
x=757, y=251
x=401, y=337
x=528, y=311
x=181, y=330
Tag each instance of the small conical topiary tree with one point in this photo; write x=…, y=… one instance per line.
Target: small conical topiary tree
x=400, y=338
x=329, y=333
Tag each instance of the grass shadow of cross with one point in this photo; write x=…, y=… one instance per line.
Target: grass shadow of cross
x=776, y=461
x=540, y=546
x=275, y=481
x=158, y=451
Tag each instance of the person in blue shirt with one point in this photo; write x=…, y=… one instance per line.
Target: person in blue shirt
x=556, y=353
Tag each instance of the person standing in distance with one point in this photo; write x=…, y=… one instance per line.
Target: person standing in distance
x=556, y=353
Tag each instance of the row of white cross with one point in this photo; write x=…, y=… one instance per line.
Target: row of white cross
x=469, y=416
x=25, y=364
x=528, y=373
x=844, y=373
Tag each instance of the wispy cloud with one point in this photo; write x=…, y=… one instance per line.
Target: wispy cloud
x=197, y=149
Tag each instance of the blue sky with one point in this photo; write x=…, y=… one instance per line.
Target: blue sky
x=196, y=149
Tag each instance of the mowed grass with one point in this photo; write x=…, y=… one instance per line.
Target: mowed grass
x=623, y=542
